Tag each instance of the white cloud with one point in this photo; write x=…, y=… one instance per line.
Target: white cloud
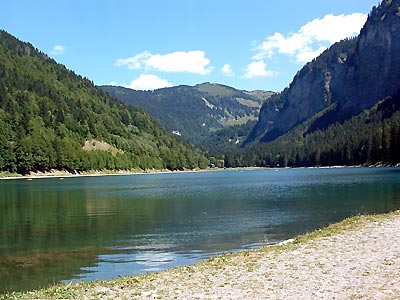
x=58, y=50
x=186, y=62
x=312, y=38
x=258, y=69
x=227, y=70
x=134, y=62
x=148, y=82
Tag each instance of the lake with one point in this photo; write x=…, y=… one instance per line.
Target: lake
x=88, y=228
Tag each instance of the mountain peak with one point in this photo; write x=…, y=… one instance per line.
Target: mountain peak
x=352, y=75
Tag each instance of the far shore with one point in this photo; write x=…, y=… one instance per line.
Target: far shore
x=64, y=174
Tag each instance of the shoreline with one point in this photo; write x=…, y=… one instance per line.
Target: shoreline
x=355, y=258
x=66, y=174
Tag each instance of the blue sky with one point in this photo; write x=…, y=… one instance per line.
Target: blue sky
x=147, y=44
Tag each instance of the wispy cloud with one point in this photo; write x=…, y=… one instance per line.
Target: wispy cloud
x=148, y=82
x=176, y=62
x=58, y=50
x=312, y=38
x=227, y=70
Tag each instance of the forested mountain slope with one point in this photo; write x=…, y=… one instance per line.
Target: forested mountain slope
x=51, y=118
x=196, y=112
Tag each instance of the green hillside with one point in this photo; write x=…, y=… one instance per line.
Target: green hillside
x=196, y=112
x=48, y=114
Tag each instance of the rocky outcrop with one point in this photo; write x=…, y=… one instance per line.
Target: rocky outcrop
x=349, y=77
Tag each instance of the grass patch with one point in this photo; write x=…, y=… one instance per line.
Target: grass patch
x=8, y=174
x=249, y=103
x=239, y=121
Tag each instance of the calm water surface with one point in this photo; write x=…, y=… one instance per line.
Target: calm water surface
x=90, y=228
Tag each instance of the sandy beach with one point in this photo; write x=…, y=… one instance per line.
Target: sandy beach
x=65, y=174
x=358, y=258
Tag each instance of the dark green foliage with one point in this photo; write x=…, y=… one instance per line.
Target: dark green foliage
x=228, y=138
x=47, y=112
x=372, y=137
x=196, y=112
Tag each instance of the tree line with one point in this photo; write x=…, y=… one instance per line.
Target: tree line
x=372, y=137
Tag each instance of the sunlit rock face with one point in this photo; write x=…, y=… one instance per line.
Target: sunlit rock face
x=352, y=75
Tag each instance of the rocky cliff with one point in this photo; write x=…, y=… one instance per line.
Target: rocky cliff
x=349, y=77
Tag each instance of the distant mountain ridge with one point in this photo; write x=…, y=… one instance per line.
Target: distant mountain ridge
x=349, y=77
x=197, y=111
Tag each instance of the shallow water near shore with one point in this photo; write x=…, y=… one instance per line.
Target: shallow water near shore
x=90, y=228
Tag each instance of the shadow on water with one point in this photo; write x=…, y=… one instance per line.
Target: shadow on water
x=25, y=271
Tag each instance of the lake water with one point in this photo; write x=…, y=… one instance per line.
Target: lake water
x=88, y=228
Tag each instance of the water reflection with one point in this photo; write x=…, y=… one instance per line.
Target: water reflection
x=121, y=225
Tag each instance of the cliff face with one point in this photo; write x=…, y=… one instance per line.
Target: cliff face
x=374, y=71
x=347, y=78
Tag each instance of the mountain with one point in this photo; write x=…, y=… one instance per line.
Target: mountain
x=196, y=112
x=349, y=77
x=343, y=108
x=51, y=118
x=369, y=138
